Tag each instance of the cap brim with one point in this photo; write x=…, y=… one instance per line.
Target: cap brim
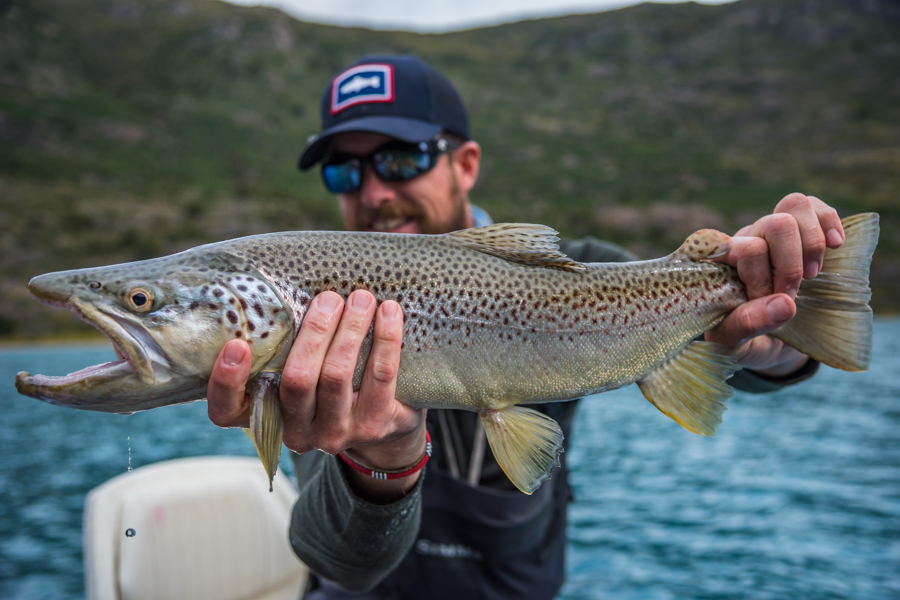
x=401, y=128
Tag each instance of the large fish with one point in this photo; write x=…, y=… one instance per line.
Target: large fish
x=495, y=317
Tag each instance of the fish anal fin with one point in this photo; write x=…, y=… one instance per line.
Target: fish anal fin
x=526, y=444
x=266, y=424
x=691, y=387
x=704, y=244
x=524, y=243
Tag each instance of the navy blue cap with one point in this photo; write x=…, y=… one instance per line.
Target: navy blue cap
x=400, y=96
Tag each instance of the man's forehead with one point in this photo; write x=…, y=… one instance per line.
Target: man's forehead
x=357, y=142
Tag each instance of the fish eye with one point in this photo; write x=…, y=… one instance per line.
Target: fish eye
x=140, y=299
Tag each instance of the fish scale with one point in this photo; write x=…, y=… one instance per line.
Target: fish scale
x=494, y=318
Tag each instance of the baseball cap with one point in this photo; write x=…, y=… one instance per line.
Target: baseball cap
x=401, y=96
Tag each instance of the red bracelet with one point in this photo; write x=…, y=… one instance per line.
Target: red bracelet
x=374, y=474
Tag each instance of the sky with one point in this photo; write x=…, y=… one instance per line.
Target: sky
x=437, y=15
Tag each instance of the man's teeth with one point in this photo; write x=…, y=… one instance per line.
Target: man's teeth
x=388, y=224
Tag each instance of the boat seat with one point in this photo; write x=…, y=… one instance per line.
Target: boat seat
x=196, y=528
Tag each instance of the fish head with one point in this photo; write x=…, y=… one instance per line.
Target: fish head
x=167, y=320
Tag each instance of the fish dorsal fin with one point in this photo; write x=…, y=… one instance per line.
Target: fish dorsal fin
x=524, y=243
x=703, y=245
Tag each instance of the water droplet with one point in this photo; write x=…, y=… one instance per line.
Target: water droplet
x=130, y=468
x=130, y=532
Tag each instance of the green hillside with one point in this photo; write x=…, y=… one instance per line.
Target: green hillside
x=135, y=128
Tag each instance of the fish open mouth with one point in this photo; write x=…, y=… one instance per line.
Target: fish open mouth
x=140, y=357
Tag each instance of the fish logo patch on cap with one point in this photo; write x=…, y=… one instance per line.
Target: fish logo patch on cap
x=362, y=84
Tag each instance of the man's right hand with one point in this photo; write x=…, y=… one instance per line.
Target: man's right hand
x=318, y=404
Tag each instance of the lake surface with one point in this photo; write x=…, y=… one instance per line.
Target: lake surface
x=797, y=497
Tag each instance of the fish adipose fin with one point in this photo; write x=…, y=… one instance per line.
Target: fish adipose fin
x=690, y=387
x=536, y=245
x=266, y=425
x=525, y=442
x=704, y=244
x=833, y=323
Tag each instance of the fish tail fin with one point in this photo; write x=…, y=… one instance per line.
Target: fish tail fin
x=525, y=442
x=691, y=387
x=266, y=425
x=833, y=323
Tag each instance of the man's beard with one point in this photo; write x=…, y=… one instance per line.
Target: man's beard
x=456, y=220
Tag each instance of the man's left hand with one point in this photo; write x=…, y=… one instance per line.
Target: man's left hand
x=772, y=256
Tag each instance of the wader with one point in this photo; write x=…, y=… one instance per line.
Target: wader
x=478, y=542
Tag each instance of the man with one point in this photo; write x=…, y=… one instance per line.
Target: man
x=396, y=149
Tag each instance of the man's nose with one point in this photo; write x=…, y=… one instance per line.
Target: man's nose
x=373, y=192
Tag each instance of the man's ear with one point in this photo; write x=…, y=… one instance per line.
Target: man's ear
x=466, y=162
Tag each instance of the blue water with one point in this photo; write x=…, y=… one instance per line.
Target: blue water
x=797, y=497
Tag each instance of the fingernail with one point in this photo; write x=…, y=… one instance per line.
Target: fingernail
x=779, y=310
x=834, y=238
x=811, y=270
x=328, y=303
x=360, y=301
x=233, y=355
x=390, y=310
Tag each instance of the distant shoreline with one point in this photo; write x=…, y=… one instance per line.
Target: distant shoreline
x=56, y=340
x=100, y=340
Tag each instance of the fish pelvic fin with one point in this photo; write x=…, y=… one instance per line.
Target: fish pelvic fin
x=535, y=245
x=833, y=323
x=266, y=424
x=525, y=442
x=691, y=387
x=704, y=244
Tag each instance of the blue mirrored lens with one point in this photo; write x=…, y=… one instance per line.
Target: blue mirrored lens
x=342, y=178
x=400, y=165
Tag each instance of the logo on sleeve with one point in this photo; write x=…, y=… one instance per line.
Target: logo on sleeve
x=362, y=84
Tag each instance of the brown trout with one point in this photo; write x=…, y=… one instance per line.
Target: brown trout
x=494, y=318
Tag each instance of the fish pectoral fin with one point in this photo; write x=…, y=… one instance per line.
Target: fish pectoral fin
x=691, y=387
x=536, y=245
x=266, y=425
x=525, y=442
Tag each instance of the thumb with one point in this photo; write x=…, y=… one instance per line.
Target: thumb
x=755, y=317
x=227, y=385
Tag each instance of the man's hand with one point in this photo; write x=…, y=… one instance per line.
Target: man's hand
x=772, y=256
x=318, y=404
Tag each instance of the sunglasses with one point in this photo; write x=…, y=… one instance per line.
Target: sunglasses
x=394, y=161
